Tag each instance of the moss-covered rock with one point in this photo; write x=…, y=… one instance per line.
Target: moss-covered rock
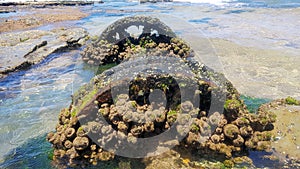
x=292, y=101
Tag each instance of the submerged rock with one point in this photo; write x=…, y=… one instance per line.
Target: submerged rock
x=158, y=97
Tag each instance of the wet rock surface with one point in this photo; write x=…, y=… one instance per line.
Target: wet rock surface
x=286, y=134
x=22, y=49
x=113, y=122
x=7, y=10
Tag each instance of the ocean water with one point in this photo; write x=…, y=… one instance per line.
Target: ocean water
x=30, y=100
x=250, y=3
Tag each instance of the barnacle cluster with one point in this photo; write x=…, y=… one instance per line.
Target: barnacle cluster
x=109, y=49
x=97, y=119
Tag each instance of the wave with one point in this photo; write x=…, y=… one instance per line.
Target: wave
x=215, y=2
x=249, y=3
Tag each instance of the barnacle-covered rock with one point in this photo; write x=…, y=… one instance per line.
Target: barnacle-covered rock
x=110, y=48
x=231, y=131
x=81, y=143
x=68, y=144
x=215, y=138
x=105, y=156
x=246, y=131
x=70, y=132
x=238, y=141
x=105, y=117
x=149, y=127
x=100, y=52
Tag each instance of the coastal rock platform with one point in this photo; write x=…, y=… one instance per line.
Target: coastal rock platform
x=22, y=49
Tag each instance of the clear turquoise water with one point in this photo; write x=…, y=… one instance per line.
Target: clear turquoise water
x=30, y=100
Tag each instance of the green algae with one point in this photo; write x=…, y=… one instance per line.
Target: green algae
x=87, y=95
x=102, y=68
x=134, y=104
x=228, y=164
x=172, y=112
x=164, y=87
x=50, y=153
x=25, y=39
x=232, y=102
x=195, y=127
x=244, y=119
x=99, y=69
x=73, y=112
x=87, y=98
x=292, y=101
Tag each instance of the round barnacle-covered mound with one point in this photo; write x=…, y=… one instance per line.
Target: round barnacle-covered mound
x=117, y=43
x=157, y=88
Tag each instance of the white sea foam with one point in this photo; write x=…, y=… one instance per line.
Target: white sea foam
x=215, y=2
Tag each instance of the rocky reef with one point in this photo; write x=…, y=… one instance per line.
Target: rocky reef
x=156, y=98
x=23, y=49
x=117, y=43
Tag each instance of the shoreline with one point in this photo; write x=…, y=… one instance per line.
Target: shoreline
x=49, y=3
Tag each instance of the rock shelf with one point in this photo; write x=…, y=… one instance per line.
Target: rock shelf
x=23, y=49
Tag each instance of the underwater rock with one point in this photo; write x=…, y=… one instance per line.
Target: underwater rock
x=105, y=117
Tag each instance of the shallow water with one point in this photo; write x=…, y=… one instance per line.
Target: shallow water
x=30, y=100
x=265, y=37
x=11, y=14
